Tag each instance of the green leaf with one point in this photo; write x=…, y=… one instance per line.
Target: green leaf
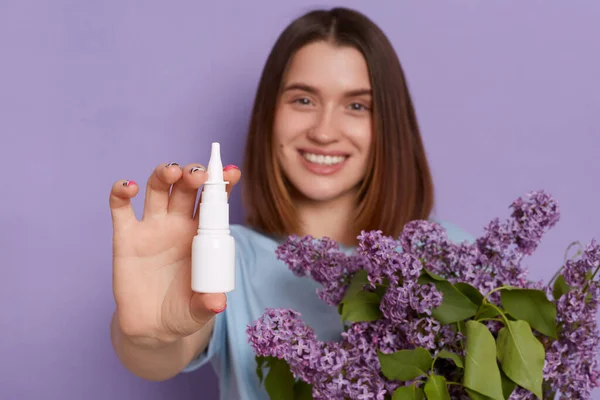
x=482, y=374
x=436, y=388
x=485, y=310
x=521, y=356
x=461, y=326
x=508, y=386
x=470, y=291
x=279, y=382
x=411, y=392
x=359, y=305
x=435, y=277
x=458, y=360
x=532, y=306
x=380, y=290
x=302, y=391
x=405, y=365
x=476, y=396
x=455, y=305
x=476, y=297
x=363, y=307
x=260, y=364
x=560, y=287
x=356, y=285
x=550, y=394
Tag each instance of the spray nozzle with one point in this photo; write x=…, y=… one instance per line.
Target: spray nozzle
x=215, y=166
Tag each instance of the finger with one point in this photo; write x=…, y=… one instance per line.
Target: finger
x=157, y=189
x=185, y=190
x=120, y=202
x=231, y=174
x=204, y=306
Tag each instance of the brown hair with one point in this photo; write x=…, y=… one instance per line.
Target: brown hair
x=397, y=188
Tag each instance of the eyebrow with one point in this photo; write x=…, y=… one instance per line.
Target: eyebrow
x=311, y=89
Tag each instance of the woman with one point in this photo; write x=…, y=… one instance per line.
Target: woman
x=333, y=148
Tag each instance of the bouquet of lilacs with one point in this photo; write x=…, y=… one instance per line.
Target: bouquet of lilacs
x=425, y=317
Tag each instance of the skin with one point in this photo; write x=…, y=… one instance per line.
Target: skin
x=159, y=324
x=325, y=107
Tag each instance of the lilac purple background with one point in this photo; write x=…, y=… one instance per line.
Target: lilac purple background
x=508, y=97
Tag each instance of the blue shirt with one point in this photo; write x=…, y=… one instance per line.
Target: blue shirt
x=263, y=281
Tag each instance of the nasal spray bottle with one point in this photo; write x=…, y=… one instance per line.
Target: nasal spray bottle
x=213, y=248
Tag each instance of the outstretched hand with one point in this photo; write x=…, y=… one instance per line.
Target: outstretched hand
x=152, y=256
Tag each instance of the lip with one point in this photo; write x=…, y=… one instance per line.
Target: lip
x=322, y=170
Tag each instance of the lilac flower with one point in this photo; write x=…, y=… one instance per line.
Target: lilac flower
x=277, y=331
x=571, y=361
x=410, y=299
x=350, y=369
x=382, y=255
x=575, y=271
x=532, y=218
x=323, y=261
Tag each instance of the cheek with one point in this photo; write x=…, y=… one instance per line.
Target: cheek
x=283, y=129
x=281, y=143
x=361, y=135
x=292, y=124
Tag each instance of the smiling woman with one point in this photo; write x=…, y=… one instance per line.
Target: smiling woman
x=333, y=148
x=336, y=124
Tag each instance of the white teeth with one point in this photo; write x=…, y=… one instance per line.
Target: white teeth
x=323, y=160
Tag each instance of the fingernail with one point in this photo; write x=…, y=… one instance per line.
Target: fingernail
x=230, y=166
x=128, y=183
x=194, y=169
x=171, y=163
x=220, y=310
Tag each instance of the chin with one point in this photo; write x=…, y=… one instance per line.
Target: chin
x=322, y=191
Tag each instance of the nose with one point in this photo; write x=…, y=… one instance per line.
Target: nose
x=324, y=130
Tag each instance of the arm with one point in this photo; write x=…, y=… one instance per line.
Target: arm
x=158, y=361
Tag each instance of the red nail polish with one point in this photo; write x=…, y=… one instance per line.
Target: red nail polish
x=220, y=310
x=129, y=183
x=230, y=166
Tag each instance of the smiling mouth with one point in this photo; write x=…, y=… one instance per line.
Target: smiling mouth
x=322, y=159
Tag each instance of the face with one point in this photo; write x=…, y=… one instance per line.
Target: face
x=323, y=121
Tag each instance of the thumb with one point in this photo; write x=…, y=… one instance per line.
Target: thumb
x=204, y=306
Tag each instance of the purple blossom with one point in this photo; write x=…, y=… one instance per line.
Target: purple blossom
x=575, y=271
x=350, y=369
x=384, y=259
x=532, y=218
x=409, y=300
x=323, y=261
x=571, y=361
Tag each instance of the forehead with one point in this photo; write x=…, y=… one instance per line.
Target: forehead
x=326, y=65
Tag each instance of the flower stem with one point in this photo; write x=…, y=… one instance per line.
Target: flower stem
x=434, y=360
x=587, y=283
x=490, y=319
x=504, y=319
x=565, y=260
x=485, y=298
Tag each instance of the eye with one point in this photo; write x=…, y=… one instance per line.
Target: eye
x=303, y=101
x=358, y=107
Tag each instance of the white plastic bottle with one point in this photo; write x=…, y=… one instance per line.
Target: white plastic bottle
x=213, y=248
